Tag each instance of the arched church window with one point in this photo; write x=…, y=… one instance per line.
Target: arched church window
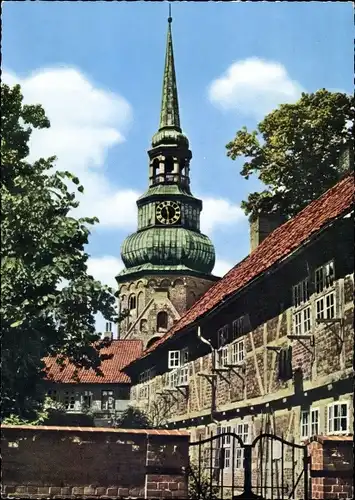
x=143, y=326
x=162, y=320
x=132, y=302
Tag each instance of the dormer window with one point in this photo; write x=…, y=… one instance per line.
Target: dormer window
x=324, y=276
x=178, y=358
x=223, y=334
x=301, y=292
x=174, y=359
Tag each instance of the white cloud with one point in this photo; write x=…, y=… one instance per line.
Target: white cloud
x=254, y=87
x=105, y=269
x=222, y=267
x=86, y=121
x=217, y=212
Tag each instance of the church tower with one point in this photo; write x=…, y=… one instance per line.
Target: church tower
x=168, y=261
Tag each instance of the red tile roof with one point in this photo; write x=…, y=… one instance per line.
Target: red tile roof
x=276, y=247
x=124, y=352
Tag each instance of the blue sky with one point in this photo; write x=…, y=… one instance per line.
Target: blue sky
x=97, y=69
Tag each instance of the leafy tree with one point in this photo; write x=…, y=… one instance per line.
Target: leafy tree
x=295, y=151
x=42, y=247
x=134, y=418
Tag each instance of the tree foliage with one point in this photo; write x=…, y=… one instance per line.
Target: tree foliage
x=48, y=300
x=295, y=151
x=134, y=418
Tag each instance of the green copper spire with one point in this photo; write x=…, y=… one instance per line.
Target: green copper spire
x=169, y=115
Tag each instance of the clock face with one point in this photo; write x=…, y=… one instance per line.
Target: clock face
x=168, y=212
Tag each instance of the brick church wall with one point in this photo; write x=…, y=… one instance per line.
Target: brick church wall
x=65, y=462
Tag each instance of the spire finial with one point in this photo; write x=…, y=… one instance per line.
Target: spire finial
x=169, y=116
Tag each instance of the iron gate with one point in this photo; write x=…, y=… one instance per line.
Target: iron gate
x=269, y=468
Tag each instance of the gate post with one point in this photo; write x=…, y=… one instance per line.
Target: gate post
x=247, y=469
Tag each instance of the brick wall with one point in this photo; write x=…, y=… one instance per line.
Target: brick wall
x=332, y=465
x=314, y=365
x=69, y=462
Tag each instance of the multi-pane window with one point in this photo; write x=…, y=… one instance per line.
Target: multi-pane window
x=223, y=335
x=184, y=375
x=301, y=292
x=222, y=357
x=242, y=430
x=302, y=321
x=237, y=352
x=69, y=400
x=324, y=277
x=223, y=451
x=178, y=358
x=107, y=400
x=144, y=392
x=146, y=375
x=314, y=422
x=309, y=423
x=304, y=424
x=52, y=394
x=87, y=399
x=174, y=359
x=338, y=418
x=325, y=306
x=173, y=379
x=239, y=326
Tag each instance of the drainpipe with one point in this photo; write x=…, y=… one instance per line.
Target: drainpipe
x=207, y=342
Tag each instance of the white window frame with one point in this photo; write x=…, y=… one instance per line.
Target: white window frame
x=226, y=445
x=243, y=431
x=183, y=375
x=173, y=379
x=239, y=326
x=301, y=292
x=223, y=334
x=143, y=392
x=324, y=277
x=174, y=359
x=331, y=418
x=69, y=400
x=87, y=399
x=302, y=320
x=107, y=400
x=304, y=424
x=315, y=423
x=222, y=358
x=327, y=309
x=237, y=352
x=307, y=423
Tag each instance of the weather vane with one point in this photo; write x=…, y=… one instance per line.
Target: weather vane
x=170, y=18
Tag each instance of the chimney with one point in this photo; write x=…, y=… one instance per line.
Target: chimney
x=108, y=331
x=264, y=225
